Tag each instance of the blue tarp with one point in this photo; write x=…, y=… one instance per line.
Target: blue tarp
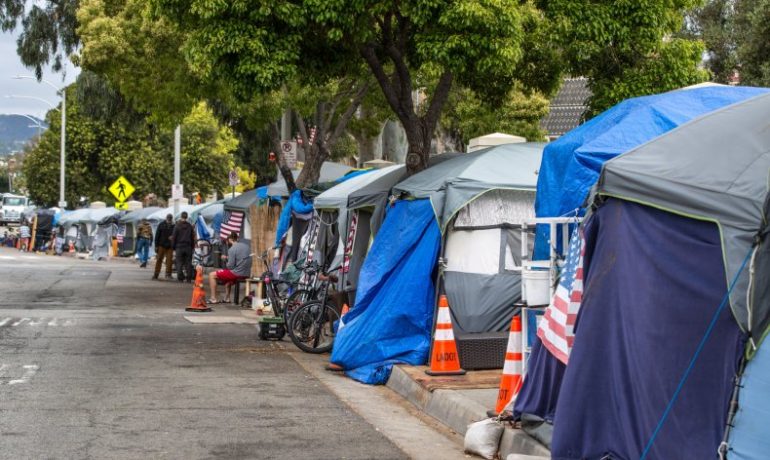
x=393, y=314
x=297, y=203
x=749, y=439
x=653, y=283
x=572, y=163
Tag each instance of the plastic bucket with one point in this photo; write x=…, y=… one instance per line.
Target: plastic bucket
x=536, y=287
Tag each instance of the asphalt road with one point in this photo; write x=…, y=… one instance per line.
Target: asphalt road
x=97, y=362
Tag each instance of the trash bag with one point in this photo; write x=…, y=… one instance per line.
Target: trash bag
x=483, y=438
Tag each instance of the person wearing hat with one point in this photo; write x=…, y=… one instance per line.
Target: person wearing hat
x=143, y=241
x=163, y=249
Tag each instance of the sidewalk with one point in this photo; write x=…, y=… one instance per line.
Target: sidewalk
x=457, y=401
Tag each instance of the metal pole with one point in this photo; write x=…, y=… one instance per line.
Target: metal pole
x=177, y=162
x=62, y=202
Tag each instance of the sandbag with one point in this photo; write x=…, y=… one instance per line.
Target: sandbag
x=483, y=438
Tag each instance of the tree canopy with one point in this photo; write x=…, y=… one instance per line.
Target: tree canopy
x=101, y=150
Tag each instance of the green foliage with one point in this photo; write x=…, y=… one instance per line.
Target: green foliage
x=626, y=48
x=713, y=23
x=48, y=31
x=467, y=117
x=99, y=151
x=752, y=24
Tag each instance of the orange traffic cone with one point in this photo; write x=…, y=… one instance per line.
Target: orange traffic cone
x=444, y=360
x=198, y=302
x=510, y=382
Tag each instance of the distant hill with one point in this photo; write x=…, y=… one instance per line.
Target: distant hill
x=15, y=131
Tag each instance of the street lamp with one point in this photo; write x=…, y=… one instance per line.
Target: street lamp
x=62, y=202
x=34, y=120
x=45, y=101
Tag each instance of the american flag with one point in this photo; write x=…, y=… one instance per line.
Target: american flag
x=232, y=221
x=556, y=328
x=349, y=243
x=121, y=233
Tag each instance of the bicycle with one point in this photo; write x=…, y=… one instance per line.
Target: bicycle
x=312, y=326
x=282, y=298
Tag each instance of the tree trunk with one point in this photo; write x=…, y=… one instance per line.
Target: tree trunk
x=311, y=172
x=283, y=169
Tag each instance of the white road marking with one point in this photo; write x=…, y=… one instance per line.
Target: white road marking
x=19, y=322
x=29, y=371
x=5, y=321
x=69, y=322
x=8, y=257
x=53, y=322
x=2, y=368
x=37, y=322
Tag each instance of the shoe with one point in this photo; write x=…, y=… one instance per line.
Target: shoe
x=144, y=265
x=181, y=280
x=155, y=277
x=168, y=277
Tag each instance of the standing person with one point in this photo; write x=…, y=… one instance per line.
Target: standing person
x=183, y=242
x=238, y=267
x=143, y=241
x=24, y=235
x=163, y=249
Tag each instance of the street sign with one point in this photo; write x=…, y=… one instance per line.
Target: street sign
x=62, y=204
x=177, y=192
x=233, y=177
x=289, y=151
x=123, y=206
x=121, y=189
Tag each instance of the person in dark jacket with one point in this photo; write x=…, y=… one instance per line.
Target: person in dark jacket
x=163, y=249
x=183, y=242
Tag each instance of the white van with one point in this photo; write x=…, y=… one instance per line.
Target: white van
x=11, y=208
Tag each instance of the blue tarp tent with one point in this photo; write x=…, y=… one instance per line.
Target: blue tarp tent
x=572, y=163
x=391, y=321
x=749, y=439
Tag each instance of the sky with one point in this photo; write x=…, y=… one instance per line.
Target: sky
x=10, y=66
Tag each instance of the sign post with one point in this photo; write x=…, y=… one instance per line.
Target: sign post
x=121, y=189
x=289, y=150
x=234, y=179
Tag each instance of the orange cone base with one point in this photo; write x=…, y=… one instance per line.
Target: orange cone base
x=199, y=309
x=439, y=373
x=334, y=367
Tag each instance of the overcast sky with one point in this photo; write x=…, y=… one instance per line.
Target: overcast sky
x=10, y=66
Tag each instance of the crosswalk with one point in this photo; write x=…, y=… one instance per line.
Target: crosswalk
x=10, y=321
x=20, y=257
x=17, y=374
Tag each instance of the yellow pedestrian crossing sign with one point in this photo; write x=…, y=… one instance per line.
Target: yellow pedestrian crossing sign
x=122, y=189
x=121, y=206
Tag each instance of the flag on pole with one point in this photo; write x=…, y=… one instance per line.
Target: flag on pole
x=556, y=328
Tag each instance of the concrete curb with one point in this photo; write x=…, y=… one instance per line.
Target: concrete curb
x=457, y=411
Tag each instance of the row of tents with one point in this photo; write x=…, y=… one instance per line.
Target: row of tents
x=668, y=357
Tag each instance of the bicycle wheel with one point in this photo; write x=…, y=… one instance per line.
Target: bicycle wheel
x=313, y=327
x=295, y=300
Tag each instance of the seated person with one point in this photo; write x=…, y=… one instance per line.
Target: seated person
x=238, y=268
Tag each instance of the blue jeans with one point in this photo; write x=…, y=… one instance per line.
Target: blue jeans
x=143, y=249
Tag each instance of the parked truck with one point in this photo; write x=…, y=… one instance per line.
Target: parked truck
x=11, y=208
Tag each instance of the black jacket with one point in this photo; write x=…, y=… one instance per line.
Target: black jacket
x=183, y=236
x=163, y=234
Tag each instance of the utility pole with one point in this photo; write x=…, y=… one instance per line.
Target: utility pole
x=177, y=162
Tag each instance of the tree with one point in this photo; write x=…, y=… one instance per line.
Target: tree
x=752, y=29
x=712, y=22
x=100, y=150
x=626, y=49
x=467, y=117
x=48, y=33
x=415, y=49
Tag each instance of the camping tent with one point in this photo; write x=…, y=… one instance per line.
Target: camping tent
x=572, y=163
x=392, y=317
x=665, y=274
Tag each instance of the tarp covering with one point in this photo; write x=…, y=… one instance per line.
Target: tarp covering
x=713, y=168
x=296, y=204
x=572, y=163
x=139, y=214
x=749, y=438
x=452, y=184
x=654, y=280
x=392, y=318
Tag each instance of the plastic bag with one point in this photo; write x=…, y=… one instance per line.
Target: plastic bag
x=483, y=438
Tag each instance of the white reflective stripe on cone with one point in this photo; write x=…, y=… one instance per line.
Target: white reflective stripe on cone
x=512, y=367
x=444, y=334
x=514, y=342
x=443, y=316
